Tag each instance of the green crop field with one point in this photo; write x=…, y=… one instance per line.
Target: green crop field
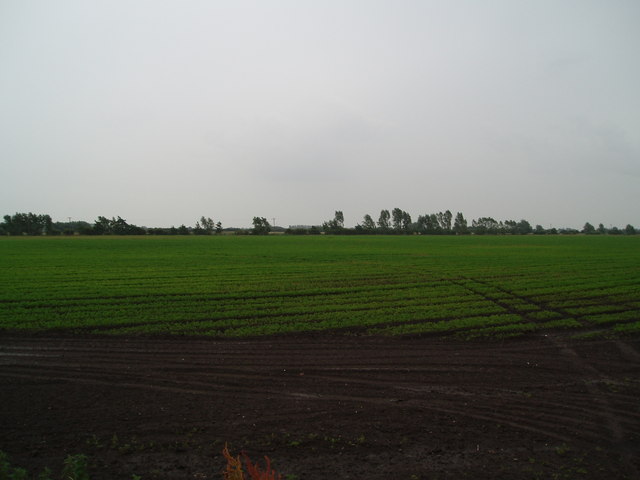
x=235, y=286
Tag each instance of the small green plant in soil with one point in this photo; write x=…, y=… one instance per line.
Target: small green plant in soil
x=75, y=468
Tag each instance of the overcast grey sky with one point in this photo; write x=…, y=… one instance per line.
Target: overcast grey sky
x=163, y=111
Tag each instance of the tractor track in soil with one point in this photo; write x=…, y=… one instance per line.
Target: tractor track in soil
x=324, y=407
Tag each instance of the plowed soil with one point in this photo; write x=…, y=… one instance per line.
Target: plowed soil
x=342, y=407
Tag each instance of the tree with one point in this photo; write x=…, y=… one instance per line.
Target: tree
x=588, y=229
x=485, y=225
x=368, y=224
x=27, y=224
x=601, y=230
x=629, y=230
x=383, y=220
x=261, y=226
x=401, y=220
x=523, y=227
x=102, y=226
x=336, y=225
x=115, y=226
x=460, y=224
x=406, y=221
x=198, y=230
x=428, y=224
x=446, y=218
x=120, y=226
x=207, y=225
x=47, y=224
x=434, y=224
x=218, y=228
x=509, y=226
x=396, y=215
x=444, y=221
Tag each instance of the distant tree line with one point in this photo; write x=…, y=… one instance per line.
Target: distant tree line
x=399, y=222
x=591, y=230
x=394, y=222
x=32, y=224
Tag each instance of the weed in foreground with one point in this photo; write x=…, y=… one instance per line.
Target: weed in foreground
x=76, y=468
x=7, y=472
x=233, y=470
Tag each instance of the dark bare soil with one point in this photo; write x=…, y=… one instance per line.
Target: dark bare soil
x=324, y=407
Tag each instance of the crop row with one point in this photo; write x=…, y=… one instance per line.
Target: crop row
x=186, y=317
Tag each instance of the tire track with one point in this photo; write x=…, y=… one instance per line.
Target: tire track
x=409, y=378
x=614, y=422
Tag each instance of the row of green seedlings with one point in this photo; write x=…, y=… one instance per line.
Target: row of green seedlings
x=623, y=330
x=627, y=329
x=595, y=310
x=29, y=318
x=606, y=280
x=340, y=319
x=405, y=321
x=236, y=296
x=362, y=320
x=189, y=282
x=602, y=275
x=585, y=293
x=228, y=306
x=233, y=303
x=489, y=326
x=423, y=324
x=620, y=316
x=612, y=308
x=580, y=302
x=552, y=292
x=631, y=299
x=624, y=325
x=588, y=299
x=221, y=318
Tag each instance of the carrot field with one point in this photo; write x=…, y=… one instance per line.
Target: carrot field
x=236, y=286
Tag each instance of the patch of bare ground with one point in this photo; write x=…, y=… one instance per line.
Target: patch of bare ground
x=324, y=407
